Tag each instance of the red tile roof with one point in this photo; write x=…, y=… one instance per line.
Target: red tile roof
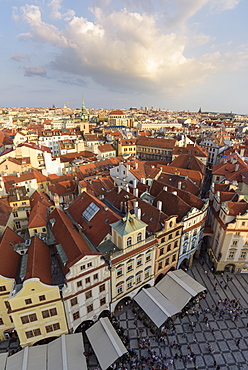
x=72, y=242
x=39, y=262
x=156, y=142
x=38, y=216
x=99, y=226
x=9, y=261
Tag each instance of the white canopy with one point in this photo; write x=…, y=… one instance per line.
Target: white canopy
x=64, y=353
x=155, y=305
x=105, y=342
x=178, y=287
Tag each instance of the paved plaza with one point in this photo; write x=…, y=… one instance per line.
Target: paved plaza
x=226, y=351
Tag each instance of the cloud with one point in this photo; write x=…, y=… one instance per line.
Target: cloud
x=124, y=50
x=31, y=71
x=19, y=57
x=222, y=5
x=39, y=30
x=55, y=13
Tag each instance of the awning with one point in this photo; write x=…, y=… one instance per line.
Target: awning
x=64, y=353
x=178, y=287
x=105, y=342
x=3, y=360
x=155, y=305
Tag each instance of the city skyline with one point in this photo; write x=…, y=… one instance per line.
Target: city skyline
x=175, y=55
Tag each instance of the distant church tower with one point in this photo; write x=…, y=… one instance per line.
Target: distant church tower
x=84, y=124
x=84, y=115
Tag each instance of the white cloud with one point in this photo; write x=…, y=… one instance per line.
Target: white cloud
x=19, y=57
x=39, y=31
x=125, y=50
x=221, y=5
x=55, y=11
x=31, y=71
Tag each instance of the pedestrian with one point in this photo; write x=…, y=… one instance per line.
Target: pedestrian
x=212, y=330
x=218, y=367
x=215, y=363
x=225, y=286
x=237, y=342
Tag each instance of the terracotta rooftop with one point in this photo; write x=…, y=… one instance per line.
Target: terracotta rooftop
x=9, y=261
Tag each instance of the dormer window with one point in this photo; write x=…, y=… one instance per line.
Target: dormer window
x=139, y=237
x=129, y=241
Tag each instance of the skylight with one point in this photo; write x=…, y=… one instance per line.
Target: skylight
x=90, y=211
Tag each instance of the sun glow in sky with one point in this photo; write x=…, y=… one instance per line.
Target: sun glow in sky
x=171, y=54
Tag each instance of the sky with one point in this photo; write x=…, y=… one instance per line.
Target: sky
x=170, y=54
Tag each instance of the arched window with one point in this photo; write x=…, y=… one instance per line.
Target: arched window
x=170, y=224
x=139, y=237
x=129, y=241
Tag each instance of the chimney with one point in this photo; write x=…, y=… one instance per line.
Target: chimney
x=174, y=192
x=134, y=183
x=18, y=194
x=179, y=184
x=18, y=174
x=165, y=188
x=159, y=205
x=143, y=180
x=136, y=192
x=121, y=206
x=236, y=167
x=136, y=165
x=135, y=204
x=137, y=212
x=119, y=189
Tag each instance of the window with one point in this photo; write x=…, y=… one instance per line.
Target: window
x=17, y=224
x=82, y=267
x=95, y=277
x=129, y=266
x=79, y=283
x=7, y=304
x=101, y=288
x=29, y=334
x=119, y=289
x=177, y=233
x=15, y=214
x=147, y=274
x=139, y=261
x=170, y=236
x=243, y=255
x=129, y=283
x=148, y=256
x=74, y=301
x=76, y=315
x=90, y=211
x=2, y=288
x=138, y=278
x=87, y=280
x=161, y=251
x=102, y=301
x=32, y=317
x=139, y=237
x=160, y=265
x=52, y=327
x=231, y=254
x=36, y=332
x=243, y=223
x=170, y=224
x=119, y=271
x=42, y=298
x=129, y=242
x=237, y=233
x=1, y=322
x=174, y=257
x=88, y=294
x=176, y=244
x=43, y=229
x=163, y=240
x=28, y=318
x=167, y=261
x=89, y=264
x=235, y=242
x=169, y=248
x=48, y=313
x=90, y=308
x=28, y=301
